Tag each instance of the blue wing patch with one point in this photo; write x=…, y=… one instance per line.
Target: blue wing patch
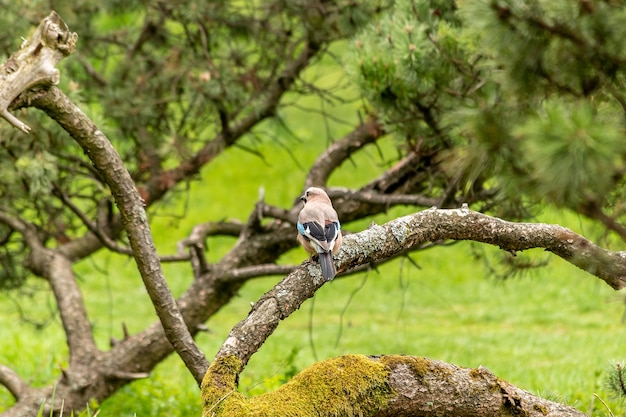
x=300, y=227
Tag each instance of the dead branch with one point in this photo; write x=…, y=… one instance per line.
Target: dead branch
x=35, y=63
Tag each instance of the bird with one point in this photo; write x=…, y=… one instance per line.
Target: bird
x=319, y=230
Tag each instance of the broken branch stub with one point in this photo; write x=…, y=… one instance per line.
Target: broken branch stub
x=34, y=65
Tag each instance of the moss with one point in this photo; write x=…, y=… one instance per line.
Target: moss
x=350, y=385
x=219, y=388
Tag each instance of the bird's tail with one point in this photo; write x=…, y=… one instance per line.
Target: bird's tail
x=328, y=266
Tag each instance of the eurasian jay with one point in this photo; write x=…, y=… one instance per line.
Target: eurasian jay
x=319, y=231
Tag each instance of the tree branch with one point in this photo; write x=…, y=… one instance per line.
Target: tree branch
x=27, y=230
x=57, y=269
x=421, y=390
x=71, y=306
x=106, y=159
x=264, y=109
x=106, y=240
x=433, y=225
x=467, y=392
x=12, y=382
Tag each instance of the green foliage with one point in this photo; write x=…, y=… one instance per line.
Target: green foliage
x=574, y=146
x=560, y=46
x=163, y=81
x=406, y=63
x=39, y=171
x=523, y=96
x=615, y=380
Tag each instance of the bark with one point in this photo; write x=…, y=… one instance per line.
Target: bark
x=339, y=151
x=425, y=387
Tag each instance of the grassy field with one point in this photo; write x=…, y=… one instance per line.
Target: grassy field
x=552, y=332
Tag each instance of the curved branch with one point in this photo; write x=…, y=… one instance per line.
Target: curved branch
x=195, y=244
x=594, y=211
x=289, y=216
x=396, y=236
x=13, y=383
x=410, y=386
x=200, y=232
x=57, y=269
x=106, y=159
x=106, y=240
x=403, y=183
x=27, y=230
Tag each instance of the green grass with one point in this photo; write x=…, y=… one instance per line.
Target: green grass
x=551, y=332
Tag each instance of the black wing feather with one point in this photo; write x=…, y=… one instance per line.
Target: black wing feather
x=316, y=230
x=331, y=232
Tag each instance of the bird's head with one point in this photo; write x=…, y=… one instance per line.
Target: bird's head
x=312, y=193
